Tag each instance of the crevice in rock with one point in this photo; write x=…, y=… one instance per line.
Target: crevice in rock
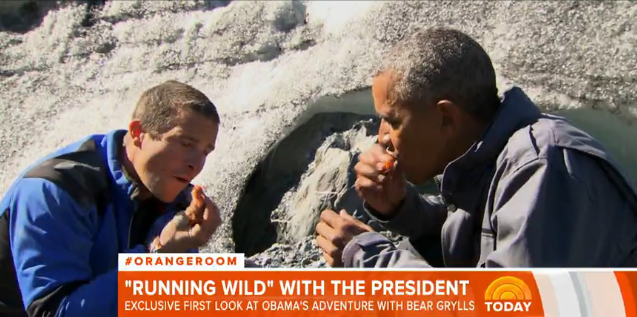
x=281, y=183
x=92, y=11
x=294, y=17
x=260, y=216
x=22, y=16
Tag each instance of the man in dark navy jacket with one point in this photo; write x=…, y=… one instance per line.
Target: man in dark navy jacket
x=517, y=187
x=66, y=218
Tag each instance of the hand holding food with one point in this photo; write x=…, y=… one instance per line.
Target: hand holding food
x=190, y=228
x=379, y=180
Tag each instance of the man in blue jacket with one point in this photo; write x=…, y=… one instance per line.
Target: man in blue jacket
x=66, y=218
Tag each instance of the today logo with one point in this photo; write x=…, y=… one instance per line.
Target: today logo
x=508, y=294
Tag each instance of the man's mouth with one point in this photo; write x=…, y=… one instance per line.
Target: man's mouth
x=182, y=180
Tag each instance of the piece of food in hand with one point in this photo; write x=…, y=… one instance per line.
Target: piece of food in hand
x=194, y=212
x=389, y=165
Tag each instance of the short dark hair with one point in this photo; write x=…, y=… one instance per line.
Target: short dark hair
x=159, y=108
x=442, y=63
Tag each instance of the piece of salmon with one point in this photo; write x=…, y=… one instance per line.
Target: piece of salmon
x=195, y=211
x=389, y=165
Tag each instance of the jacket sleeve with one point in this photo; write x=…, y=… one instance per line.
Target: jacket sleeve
x=545, y=216
x=373, y=250
x=416, y=216
x=51, y=240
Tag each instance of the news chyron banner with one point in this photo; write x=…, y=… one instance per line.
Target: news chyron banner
x=181, y=285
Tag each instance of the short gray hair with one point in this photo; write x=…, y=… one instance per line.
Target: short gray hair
x=441, y=63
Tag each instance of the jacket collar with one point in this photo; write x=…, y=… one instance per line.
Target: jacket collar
x=114, y=146
x=516, y=111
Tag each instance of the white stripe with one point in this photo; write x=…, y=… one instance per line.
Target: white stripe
x=180, y=262
x=582, y=294
x=567, y=301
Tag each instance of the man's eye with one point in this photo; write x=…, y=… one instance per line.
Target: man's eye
x=186, y=143
x=393, y=123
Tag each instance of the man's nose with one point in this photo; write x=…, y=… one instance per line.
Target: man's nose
x=383, y=134
x=194, y=163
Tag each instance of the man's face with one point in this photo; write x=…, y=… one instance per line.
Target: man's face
x=415, y=133
x=166, y=165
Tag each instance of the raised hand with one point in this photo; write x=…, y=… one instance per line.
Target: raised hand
x=190, y=228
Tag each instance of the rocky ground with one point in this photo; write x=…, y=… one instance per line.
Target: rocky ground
x=276, y=69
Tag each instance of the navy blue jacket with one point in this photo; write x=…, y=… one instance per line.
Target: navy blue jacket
x=63, y=223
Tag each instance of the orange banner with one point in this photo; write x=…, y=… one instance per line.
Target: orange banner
x=328, y=293
x=627, y=282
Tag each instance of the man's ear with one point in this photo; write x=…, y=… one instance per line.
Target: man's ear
x=449, y=115
x=136, y=133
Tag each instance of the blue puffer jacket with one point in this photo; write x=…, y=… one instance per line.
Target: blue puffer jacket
x=63, y=223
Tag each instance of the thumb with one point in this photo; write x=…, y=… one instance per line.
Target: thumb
x=346, y=216
x=396, y=171
x=343, y=213
x=385, y=140
x=211, y=210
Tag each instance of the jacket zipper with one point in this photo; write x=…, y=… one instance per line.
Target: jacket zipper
x=130, y=229
x=130, y=226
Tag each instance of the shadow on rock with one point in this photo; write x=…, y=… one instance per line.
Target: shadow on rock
x=23, y=16
x=268, y=200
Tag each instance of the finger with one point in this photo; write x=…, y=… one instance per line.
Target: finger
x=352, y=224
x=386, y=163
x=328, y=259
x=367, y=186
x=368, y=156
x=380, y=153
x=385, y=141
x=202, y=231
x=327, y=246
x=324, y=230
x=197, y=235
x=335, y=260
x=366, y=170
x=329, y=233
x=211, y=211
x=350, y=219
x=343, y=213
x=374, y=154
x=191, y=210
x=331, y=218
x=395, y=174
x=210, y=219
